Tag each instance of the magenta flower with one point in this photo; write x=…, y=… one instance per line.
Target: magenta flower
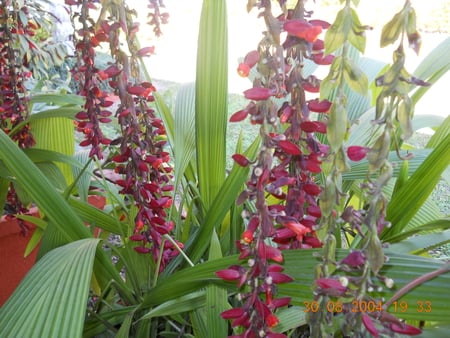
x=319, y=106
x=250, y=61
x=241, y=160
x=354, y=259
x=228, y=274
x=232, y=313
x=357, y=153
x=289, y=147
x=331, y=286
x=405, y=329
x=369, y=325
x=258, y=93
x=302, y=29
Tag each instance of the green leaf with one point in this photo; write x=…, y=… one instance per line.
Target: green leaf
x=216, y=297
x=355, y=77
x=124, y=331
x=433, y=226
x=83, y=175
x=51, y=300
x=211, y=99
x=37, y=234
x=229, y=191
x=58, y=99
x=61, y=216
x=337, y=32
x=41, y=190
x=184, y=134
x=434, y=62
x=391, y=31
x=290, y=318
x=186, y=303
x=4, y=185
x=404, y=205
x=56, y=134
x=422, y=243
x=440, y=134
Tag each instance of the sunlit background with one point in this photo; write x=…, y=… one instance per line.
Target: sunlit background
x=175, y=58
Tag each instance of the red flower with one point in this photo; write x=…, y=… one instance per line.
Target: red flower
x=269, y=252
x=312, y=241
x=313, y=126
x=311, y=88
x=142, y=250
x=289, y=147
x=258, y=93
x=272, y=320
x=232, y=313
x=354, y=259
x=302, y=29
x=146, y=51
x=370, y=326
x=278, y=277
x=319, y=106
x=319, y=59
x=330, y=283
x=312, y=189
x=250, y=60
x=299, y=229
x=405, y=329
x=357, y=153
x=228, y=274
x=243, y=70
x=241, y=160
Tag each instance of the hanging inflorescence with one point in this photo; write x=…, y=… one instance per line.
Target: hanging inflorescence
x=16, y=29
x=289, y=159
x=140, y=159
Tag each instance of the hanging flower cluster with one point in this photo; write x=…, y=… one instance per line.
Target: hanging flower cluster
x=357, y=275
x=90, y=79
x=289, y=159
x=140, y=160
x=13, y=74
x=15, y=27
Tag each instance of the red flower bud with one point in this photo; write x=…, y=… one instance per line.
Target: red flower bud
x=278, y=277
x=228, y=274
x=302, y=29
x=243, y=70
x=142, y=250
x=146, y=51
x=312, y=189
x=357, y=153
x=270, y=252
x=232, y=313
x=247, y=236
x=405, y=329
x=239, y=115
x=330, y=283
x=272, y=320
x=251, y=58
x=370, y=326
x=319, y=106
x=289, y=147
x=319, y=59
x=137, y=237
x=354, y=259
x=258, y=93
x=241, y=160
x=313, y=126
